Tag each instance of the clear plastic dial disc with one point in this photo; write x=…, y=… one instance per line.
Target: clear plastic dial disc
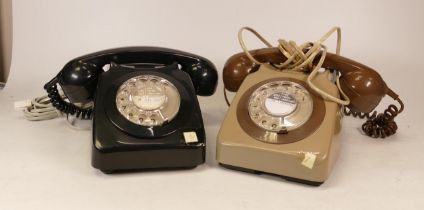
x=280, y=106
x=148, y=100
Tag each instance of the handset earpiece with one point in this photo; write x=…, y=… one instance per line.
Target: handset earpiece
x=365, y=88
x=203, y=75
x=239, y=66
x=363, y=85
x=78, y=81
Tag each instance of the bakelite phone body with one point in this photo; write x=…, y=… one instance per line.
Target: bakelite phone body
x=146, y=113
x=277, y=124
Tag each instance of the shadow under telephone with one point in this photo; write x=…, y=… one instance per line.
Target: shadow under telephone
x=285, y=117
x=146, y=113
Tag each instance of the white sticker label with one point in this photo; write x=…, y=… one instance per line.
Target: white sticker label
x=280, y=103
x=149, y=102
x=309, y=160
x=190, y=137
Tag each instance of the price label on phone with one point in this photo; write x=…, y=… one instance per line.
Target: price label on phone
x=309, y=160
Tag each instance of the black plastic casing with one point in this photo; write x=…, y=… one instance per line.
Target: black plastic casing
x=119, y=144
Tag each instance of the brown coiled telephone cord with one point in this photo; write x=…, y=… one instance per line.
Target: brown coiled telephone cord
x=378, y=125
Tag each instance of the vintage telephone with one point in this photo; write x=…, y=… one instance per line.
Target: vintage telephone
x=146, y=113
x=285, y=116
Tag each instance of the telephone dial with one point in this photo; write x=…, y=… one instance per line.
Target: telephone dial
x=146, y=113
x=285, y=117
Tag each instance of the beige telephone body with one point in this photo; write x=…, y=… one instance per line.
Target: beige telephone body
x=305, y=154
x=285, y=117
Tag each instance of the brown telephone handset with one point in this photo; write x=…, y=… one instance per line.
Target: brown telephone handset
x=363, y=86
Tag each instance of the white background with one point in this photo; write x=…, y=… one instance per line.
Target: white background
x=46, y=165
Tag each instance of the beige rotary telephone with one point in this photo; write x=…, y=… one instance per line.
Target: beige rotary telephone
x=285, y=117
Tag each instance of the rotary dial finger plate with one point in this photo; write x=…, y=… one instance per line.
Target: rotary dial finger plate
x=148, y=100
x=280, y=106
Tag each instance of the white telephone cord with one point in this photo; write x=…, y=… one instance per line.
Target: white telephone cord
x=40, y=108
x=297, y=60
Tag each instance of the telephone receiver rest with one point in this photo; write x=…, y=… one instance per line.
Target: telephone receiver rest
x=364, y=86
x=78, y=78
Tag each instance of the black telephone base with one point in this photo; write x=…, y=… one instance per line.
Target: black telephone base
x=302, y=181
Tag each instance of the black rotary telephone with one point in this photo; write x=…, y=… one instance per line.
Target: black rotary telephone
x=146, y=113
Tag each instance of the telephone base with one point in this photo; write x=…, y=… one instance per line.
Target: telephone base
x=291, y=179
x=305, y=154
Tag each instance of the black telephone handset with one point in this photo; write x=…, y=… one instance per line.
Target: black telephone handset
x=78, y=78
x=146, y=113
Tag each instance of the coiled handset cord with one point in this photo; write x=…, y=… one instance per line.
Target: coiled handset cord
x=64, y=106
x=379, y=125
x=300, y=58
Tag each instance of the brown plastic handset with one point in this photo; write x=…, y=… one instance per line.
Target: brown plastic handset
x=363, y=85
